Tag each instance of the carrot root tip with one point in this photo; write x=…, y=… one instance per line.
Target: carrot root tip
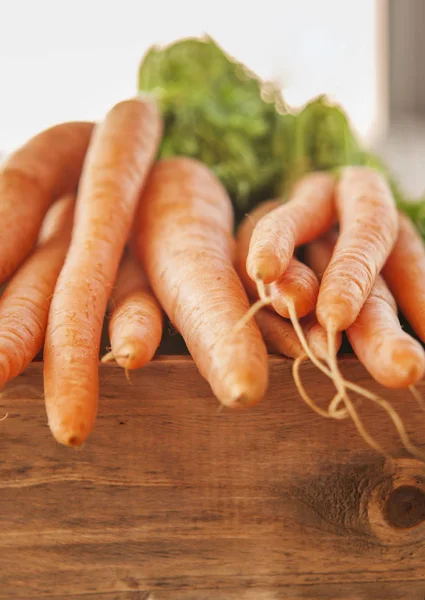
x=108, y=357
x=417, y=396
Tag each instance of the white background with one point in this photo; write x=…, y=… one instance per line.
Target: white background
x=72, y=60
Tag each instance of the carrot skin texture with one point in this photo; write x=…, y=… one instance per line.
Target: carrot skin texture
x=298, y=284
x=279, y=335
x=44, y=169
x=120, y=155
x=404, y=273
x=24, y=306
x=309, y=212
x=368, y=230
x=184, y=240
x=390, y=355
x=136, y=322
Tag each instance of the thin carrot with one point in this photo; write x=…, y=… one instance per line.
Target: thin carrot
x=46, y=168
x=391, y=356
x=404, y=273
x=317, y=338
x=184, y=239
x=135, y=326
x=309, y=212
x=279, y=335
x=24, y=306
x=368, y=230
x=297, y=285
x=121, y=152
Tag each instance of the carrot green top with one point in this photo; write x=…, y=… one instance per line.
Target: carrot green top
x=219, y=112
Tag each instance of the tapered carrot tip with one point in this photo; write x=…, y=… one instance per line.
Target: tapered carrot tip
x=409, y=366
x=266, y=268
x=69, y=430
x=242, y=393
x=129, y=356
x=132, y=355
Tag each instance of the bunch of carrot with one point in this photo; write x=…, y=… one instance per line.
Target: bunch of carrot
x=92, y=219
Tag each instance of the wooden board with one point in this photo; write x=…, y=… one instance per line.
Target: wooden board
x=172, y=499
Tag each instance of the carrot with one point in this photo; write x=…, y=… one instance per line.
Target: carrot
x=24, y=306
x=297, y=285
x=46, y=168
x=309, y=212
x=293, y=295
x=136, y=323
x=121, y=152
x=279, y=335
x=318, y=255
x=59, y=217
x=391, y=356
x=404, y=272
x=368, y=230
x=184, y=240
x=316, y=337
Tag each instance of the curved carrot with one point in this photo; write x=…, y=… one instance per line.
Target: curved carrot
x=297, y=285
x=121, y=152
x=309, y=212
x=391, y=356
x=46, y=168
x=279, y=335
x=24, y=306
x=368, y=230
x=135, y=326
x=404, y=273
x=184, y=239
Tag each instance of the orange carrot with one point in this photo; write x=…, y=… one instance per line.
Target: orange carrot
x=135, y=327
x=404, y=273
x=279, y=335
x=121, y=152
x=309, y=212
x=298, y=284
x=391, y=356
x=46, y=168
x=317, y=338
x=368, y=230
x=24, y=306
x=184, y=239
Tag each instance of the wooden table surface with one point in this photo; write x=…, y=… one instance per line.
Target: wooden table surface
x=172, y=499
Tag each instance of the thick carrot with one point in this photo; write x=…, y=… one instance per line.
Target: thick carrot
x=279, y=335
x=298, y=285
x=24, y=306
x=135, y=326
x=46, y=168
x=404, y=273
x=309, y=212
x=391, y=356
x=184, y=239
x=368, y=230
x=121, y=152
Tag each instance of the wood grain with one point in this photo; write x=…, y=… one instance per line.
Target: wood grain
x=172, y=499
